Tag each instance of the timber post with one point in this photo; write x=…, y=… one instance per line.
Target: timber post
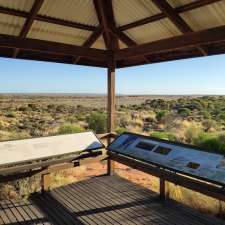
x=162, y=188
x=45, y=182
x=111, y=107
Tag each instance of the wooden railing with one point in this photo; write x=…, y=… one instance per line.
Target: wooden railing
x=45, y=168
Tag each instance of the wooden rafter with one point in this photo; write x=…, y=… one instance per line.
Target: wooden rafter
x=106, y=19
x=184, y=8
x=56, y=48
x=128, y=41
x=26, y=27
x=90, y=41
x=170, y=44
x=47, y=19
x=112, y=34
x=176, y=19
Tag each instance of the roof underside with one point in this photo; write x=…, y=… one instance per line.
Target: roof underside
x=101, y=32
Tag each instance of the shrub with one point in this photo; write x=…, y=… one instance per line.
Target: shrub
x=69, y=129
x=209, y=125
x=205, y=114
x=221, y=116
x=124, y=121
x=163, y=135
x=10, y=114
x=97, y=122
x=24, y=109
x=184, y=111
x=192, y=133
x=211, y=142
x=161, y=114
x=120, y=130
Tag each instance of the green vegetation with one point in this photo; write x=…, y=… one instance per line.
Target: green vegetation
x=194, y=120
x=163, y=135
x=97, y=122
x=69, y=129
x=211, y=142
x=199, y=121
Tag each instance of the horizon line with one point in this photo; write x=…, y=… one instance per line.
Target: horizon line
x=105, y=94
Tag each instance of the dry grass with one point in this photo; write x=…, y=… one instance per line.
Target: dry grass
x=193, y=199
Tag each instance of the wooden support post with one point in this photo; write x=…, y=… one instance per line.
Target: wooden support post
x=110, y=167
x=111, y=109
x=162, y=188
x=45, y=182
x=111, y=98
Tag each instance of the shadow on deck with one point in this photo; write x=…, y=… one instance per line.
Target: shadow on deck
x=101, y=200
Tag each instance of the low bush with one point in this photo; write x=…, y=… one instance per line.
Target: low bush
x=97, y=122
x=69, y=129
x=120, y=130
x=184, y=112
x=212, y=142
x=163, y=135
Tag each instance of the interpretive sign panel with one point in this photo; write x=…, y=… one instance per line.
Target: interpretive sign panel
x=14, y=152
x=176, y=157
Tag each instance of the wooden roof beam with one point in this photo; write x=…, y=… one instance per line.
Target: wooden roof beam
x=110, y=26
x=165, y=45
x=47, y=19
x=128, y=41
x=106, y=19
x=90, y=41
x=56, y=48
x=27, y=25
x=176, y=19
x=184, y=8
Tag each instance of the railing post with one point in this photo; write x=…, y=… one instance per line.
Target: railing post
x=162, y=188
x=45, y=182
x=110, y=166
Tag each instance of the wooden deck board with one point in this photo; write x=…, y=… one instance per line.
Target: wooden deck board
x=100, y=200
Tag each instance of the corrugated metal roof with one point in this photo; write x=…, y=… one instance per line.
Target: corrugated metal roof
x=154, y=31
x=11, y=25
x=81, y=11
x=99, y=44
x=127, y=11
x=23, y=5
x=177, y=3
x=57, y=33
x=122, y=45
x=206, y=17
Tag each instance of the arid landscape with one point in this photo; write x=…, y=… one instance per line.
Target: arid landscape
x=198, y=120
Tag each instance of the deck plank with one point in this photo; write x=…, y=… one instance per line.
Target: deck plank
x=101, y=200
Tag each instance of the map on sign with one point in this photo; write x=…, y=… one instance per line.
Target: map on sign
x=175, y=157
x=15, y=152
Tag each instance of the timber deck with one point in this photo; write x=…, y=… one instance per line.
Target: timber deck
x=101, y=200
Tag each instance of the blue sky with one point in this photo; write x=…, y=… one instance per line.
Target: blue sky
x=204, y=75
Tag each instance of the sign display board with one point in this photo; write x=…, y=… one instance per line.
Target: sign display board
x=175, y=157
x=15, y=152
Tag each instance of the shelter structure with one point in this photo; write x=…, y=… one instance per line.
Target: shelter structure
x=110, y=34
